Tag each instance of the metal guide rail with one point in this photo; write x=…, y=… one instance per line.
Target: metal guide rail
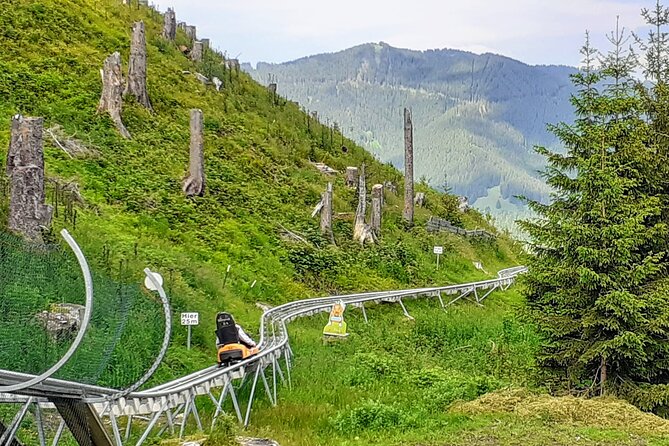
x=174, y=402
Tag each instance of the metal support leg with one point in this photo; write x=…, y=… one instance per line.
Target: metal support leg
x=268, y=391
x=476, y=295
x=128, y=428
x=117, y=433
x=59, y=433
x=278, y=369
x=290, y=383
x=8, y=435
x=488, y=293
x=253, y=390
x=40, y=425
x=274, y=378
x=364, y=312
x=441, y=301
x=196, y=414
x=152, y=423
x=406, y=313
x=185, y=417
x=460, y=296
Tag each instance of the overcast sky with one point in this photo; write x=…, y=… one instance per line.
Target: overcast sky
x=533, y=31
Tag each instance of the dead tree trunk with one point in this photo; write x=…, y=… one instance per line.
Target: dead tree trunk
x=170, y=25
x=205, y=44
x=351, y=176
x=111, y=100
x=362, y=232
x=420, y=199
x=136, y=85
x=408, y=167
x=191, y=32
x=377, y=204
x=197, y=52
x=326, y=213
x=25, y=168
x=194, y=183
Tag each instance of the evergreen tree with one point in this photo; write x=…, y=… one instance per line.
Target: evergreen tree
x=588, y=284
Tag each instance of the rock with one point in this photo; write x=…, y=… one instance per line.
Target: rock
x=62, y=320
x=248, y=441
x=463, y=204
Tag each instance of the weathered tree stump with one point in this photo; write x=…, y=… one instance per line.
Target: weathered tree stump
x=195, y=181
x=205, y=44
x=181, y=26
x=420, y=199
x=191, y=32
x=362, y=232
x=111, y=100
x=377, y=205
x=408, y=168
x=197, y=52
x=326, y=213
x=136, y=85
x=351, y=176
x=25, y=168
x=170, y=25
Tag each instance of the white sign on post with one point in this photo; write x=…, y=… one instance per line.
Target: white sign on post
x=190, y=318
x=438, y=250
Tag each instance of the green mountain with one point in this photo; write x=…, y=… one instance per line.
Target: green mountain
x=476, y=117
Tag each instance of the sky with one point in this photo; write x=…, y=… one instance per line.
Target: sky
x=532, y=31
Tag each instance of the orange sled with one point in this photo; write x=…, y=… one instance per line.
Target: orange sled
x=232, y=353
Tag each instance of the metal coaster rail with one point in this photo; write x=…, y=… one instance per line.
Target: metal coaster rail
x=177, y=398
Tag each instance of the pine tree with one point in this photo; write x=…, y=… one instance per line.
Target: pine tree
x=587, y=284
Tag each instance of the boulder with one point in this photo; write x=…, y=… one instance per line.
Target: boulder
x=62, y=320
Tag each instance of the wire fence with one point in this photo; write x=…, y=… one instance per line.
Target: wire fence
x=41, y=307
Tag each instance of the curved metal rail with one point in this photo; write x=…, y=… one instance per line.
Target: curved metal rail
x=177, y=398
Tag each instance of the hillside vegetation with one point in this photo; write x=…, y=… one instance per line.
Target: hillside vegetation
x=477, y=117
x=259, y=178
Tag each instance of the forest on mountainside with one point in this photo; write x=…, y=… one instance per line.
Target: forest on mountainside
x=477, y=117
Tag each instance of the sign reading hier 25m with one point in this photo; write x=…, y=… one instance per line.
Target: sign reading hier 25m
x=190, y=318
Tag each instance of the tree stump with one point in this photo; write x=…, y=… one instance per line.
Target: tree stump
x=420, y=199
x=326, y=213
x=205, y=44
x=195, y=181
x=191, y=32
x=136, y=85
x=111, y=100
x=377, y=205
x=197, y=52
x=170, y=25
x=408, y=167
x=351, y=176
x=25, y=168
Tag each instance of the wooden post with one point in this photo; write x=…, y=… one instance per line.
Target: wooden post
x=137, y=67
x=25, y=169
x=361, y=211
x=170, y=25
x=351, y=176
x=111, y=100
x=377, y=204
x=195, y=182
x=408, y=167
x=191, y=32
x=326, y=213
x=197, y=52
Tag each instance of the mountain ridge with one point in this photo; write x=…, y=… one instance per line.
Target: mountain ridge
x=470, y=110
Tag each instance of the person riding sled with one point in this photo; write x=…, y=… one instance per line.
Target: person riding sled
x=232, y=342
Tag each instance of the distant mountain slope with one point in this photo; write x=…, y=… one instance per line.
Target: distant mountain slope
x=477, y=117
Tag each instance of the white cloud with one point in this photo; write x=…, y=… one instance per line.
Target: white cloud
x=536, y=31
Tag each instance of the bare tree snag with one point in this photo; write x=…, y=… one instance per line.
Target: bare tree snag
x=408, y=167
x=170, y=25
x=197, y=52
x=25, y=168
x=362, y=232
x=326, y=213
x=351, y=176
x=205, y=44
x=191, y=32
x=111, y=100
x=194, y=183
x=136, y=85
x=377, y=205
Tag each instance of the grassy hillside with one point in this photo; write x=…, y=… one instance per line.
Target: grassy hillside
x=259, y=179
